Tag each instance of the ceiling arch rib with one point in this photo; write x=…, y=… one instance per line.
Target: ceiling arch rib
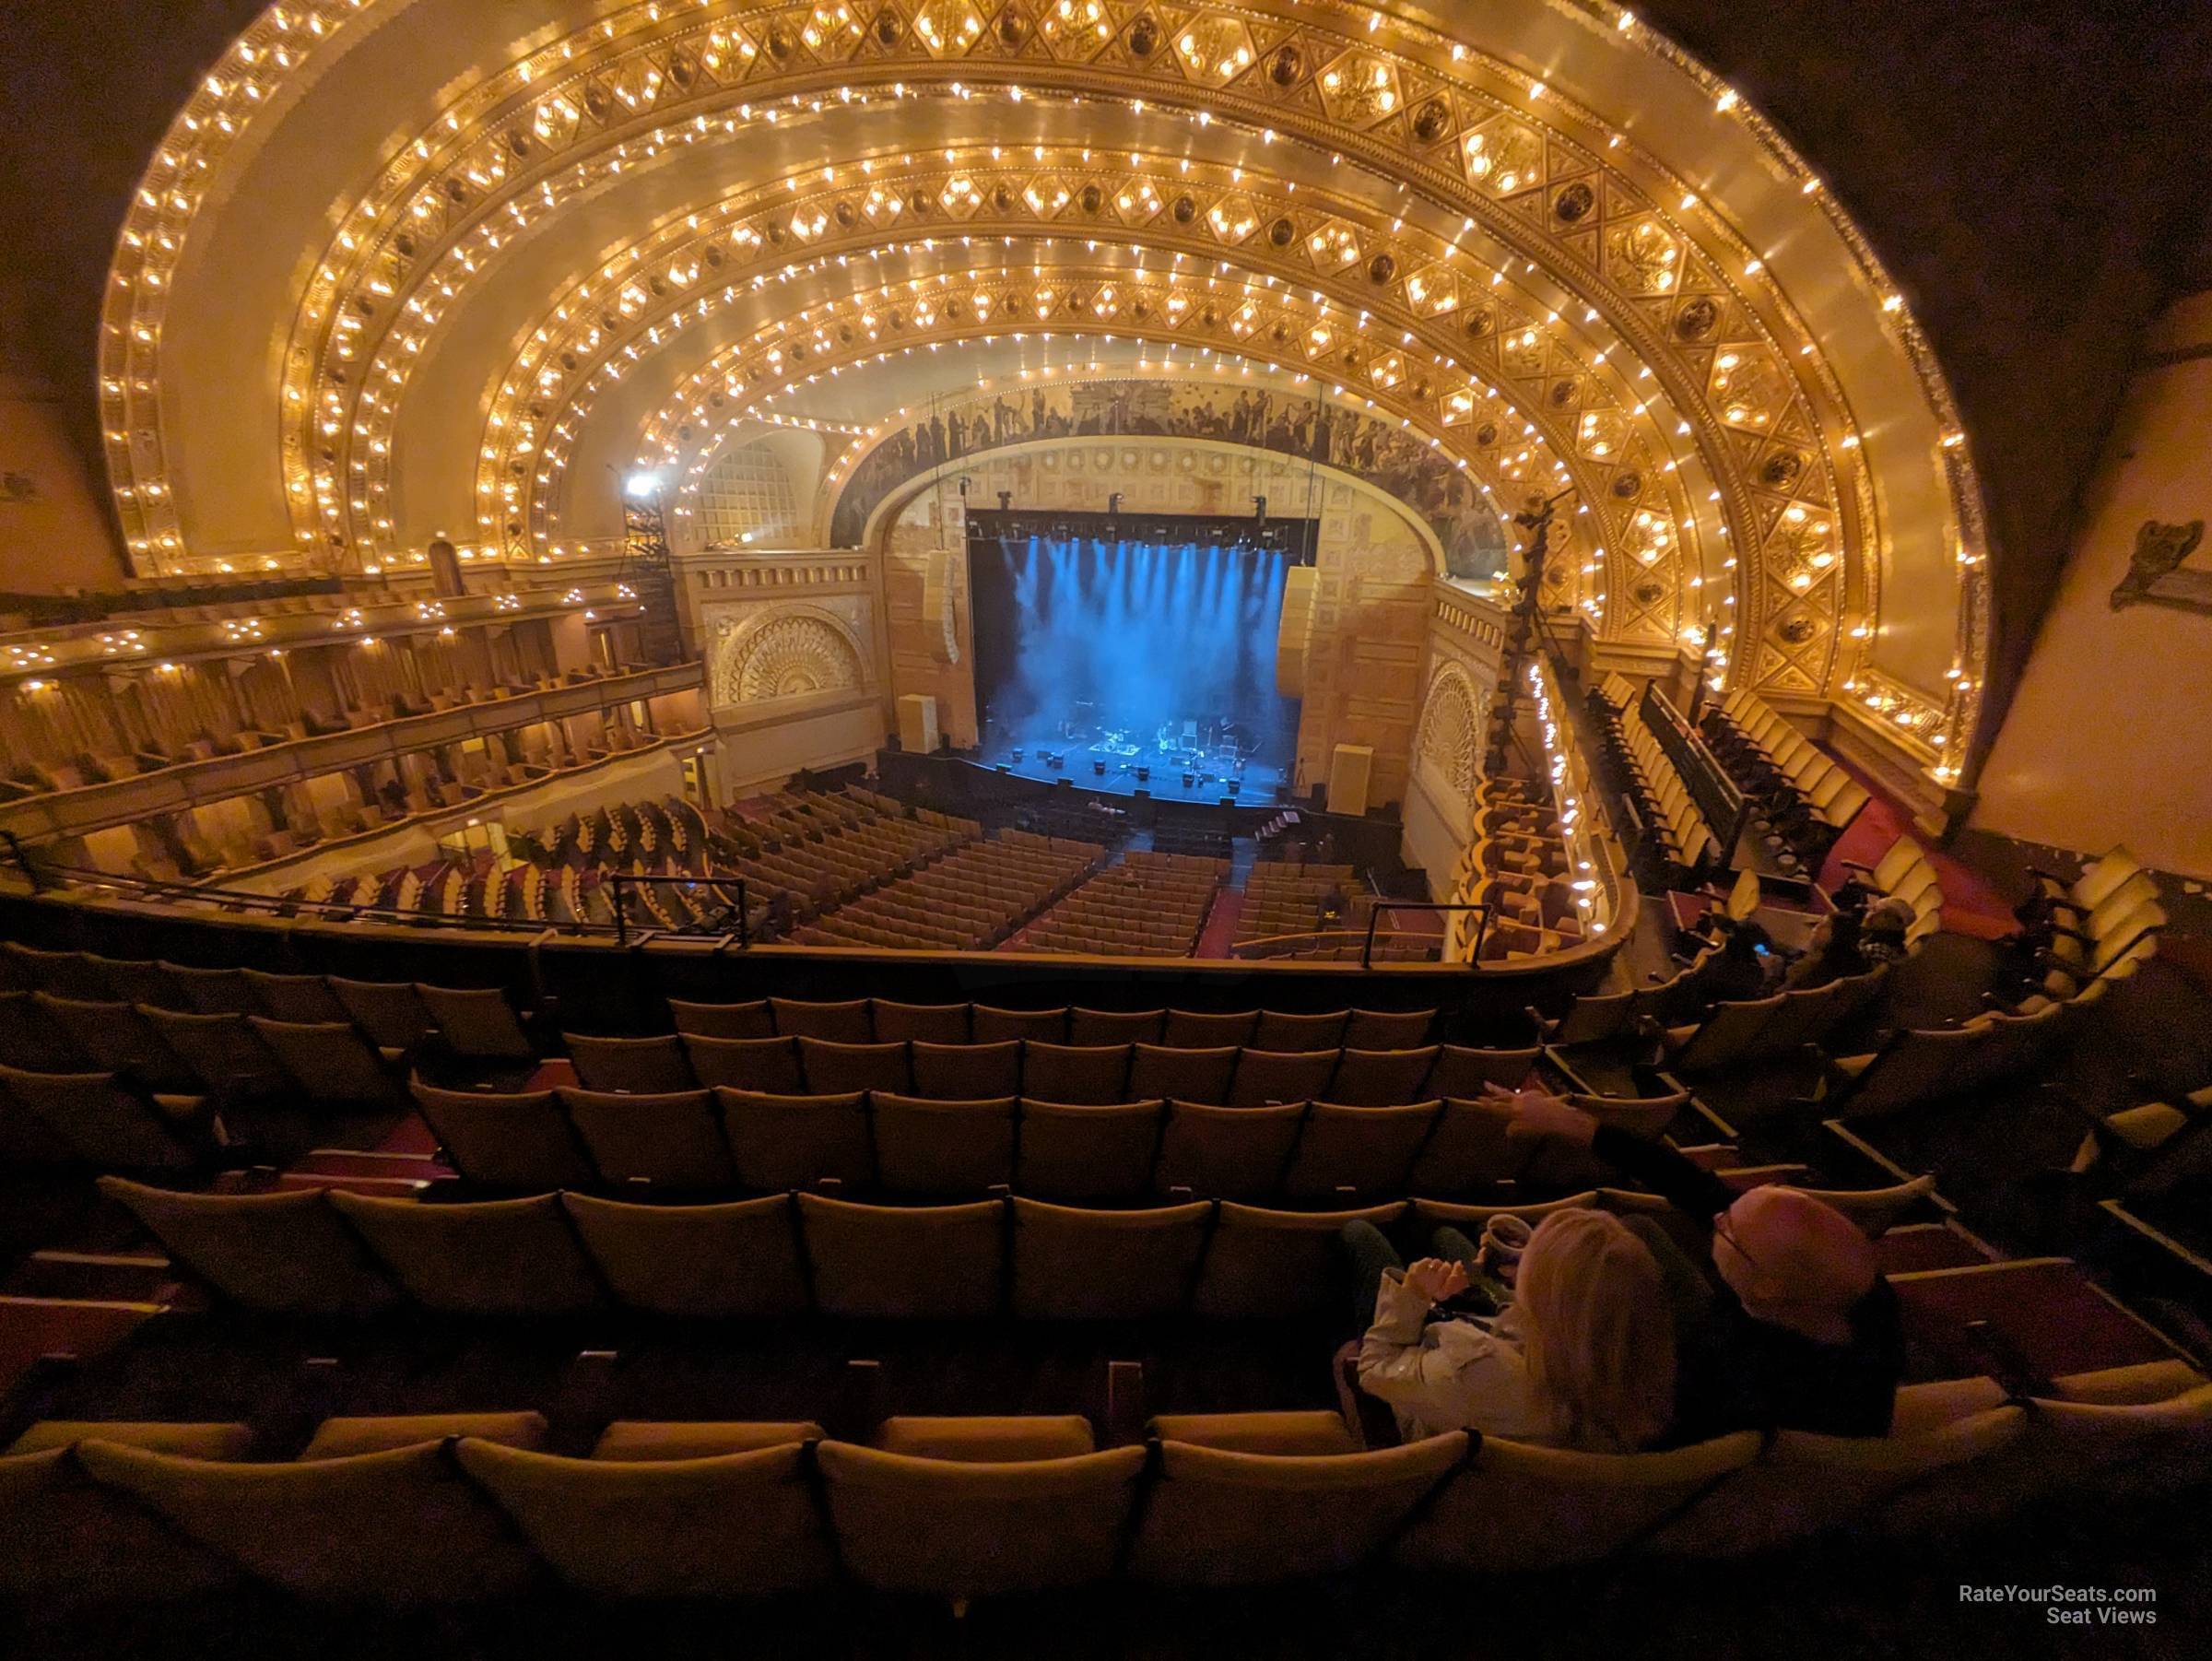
x=1161, y=305
x=1480, y=163
x=1420, y=67
x=1618, y=450
x=694, y=252
x=1123, y=303
x=639, y=291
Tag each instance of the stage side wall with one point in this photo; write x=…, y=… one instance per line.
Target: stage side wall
x=1464, y=644
x=2107, y=739
x=926, y=603
x=795, y=647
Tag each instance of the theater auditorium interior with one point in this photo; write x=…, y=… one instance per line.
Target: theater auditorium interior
x=1094, y=827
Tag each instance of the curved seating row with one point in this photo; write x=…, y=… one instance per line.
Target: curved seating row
x=401, y=1014
x=329, y=1255
x=727, y=1141
x=1238, y=1074
x=427, y=1511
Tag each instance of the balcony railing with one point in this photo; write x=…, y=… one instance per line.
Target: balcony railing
x=187, y=784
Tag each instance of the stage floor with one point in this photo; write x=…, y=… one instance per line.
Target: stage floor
x=1213, y=776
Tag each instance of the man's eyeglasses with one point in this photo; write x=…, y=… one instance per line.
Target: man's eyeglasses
x=1722, y=1231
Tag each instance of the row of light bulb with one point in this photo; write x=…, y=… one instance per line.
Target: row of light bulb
x=761, y=346
x=1725, y=102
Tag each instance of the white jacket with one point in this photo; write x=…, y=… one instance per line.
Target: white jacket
x=1448, y=1375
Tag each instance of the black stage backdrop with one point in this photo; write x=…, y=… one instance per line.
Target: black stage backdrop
x=1129, y=636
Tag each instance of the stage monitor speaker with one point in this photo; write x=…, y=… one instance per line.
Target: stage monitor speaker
x=1143, y=775
x=1004, y=768
x=1227, y=801
x=1350, y=767
x=918, y=723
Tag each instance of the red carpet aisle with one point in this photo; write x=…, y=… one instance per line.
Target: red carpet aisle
x=1220, y=930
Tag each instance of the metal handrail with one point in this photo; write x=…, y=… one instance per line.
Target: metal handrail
x=1482, y=927
x=743, y=907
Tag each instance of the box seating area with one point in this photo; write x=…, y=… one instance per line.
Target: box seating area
x=1516, y=864
x=423, y=1511
x=1149, y=905
x=970, y=900
x=1282, y=898
x=1806, y=800
x=1674, y=830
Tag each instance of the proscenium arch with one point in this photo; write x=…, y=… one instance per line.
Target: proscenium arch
x=898, y=499
x=1586, y=58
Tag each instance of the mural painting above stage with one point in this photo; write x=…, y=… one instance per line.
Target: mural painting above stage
x=1291, y=424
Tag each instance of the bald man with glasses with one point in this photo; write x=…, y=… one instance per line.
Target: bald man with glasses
x=1791, y=1326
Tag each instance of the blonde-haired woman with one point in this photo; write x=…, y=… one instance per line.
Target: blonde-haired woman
x=1584, y=1358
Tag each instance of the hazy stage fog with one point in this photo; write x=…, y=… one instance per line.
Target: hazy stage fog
x=1133, y=655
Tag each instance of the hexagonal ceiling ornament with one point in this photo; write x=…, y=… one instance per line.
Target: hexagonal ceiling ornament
x=1214, y=49
x=947, y=28
x=1747, y=388
x=1074, y=29
x=1233, y=218
x=1359, y=90
x=1643, y=257
x=1502, y=156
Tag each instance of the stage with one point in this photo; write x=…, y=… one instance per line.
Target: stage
x=1167, y=764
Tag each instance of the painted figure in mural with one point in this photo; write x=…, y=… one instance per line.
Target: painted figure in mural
x=1425, y=479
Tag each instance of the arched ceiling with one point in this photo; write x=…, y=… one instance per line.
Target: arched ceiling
x=402, y=268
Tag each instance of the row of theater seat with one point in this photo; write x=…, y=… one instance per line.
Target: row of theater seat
x=885, y=1021
x=1237, y=1076
x=1674, y=827
x=1771, y=1028
x=427, y=1511
x=474, y=1021
x=728, y=1141
x=1806, y=801
x=327, y=1254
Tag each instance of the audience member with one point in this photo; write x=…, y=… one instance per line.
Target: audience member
x=1583, y=1358
x=1744, y=968
x=1801, y=1331
x=1882, y=932
x=1833, y=956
